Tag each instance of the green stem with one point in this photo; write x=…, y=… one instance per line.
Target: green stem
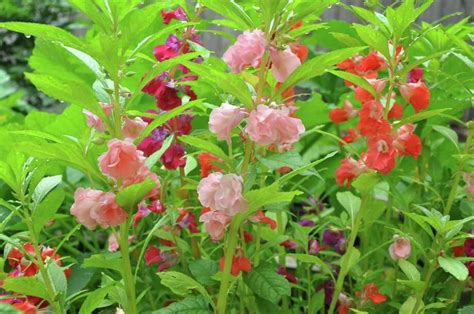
x=457, y=178
x=226, y=275
x=129, y=283
x=281, y=255
x=345, y=259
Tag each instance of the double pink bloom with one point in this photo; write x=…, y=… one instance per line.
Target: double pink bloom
x=249, y=49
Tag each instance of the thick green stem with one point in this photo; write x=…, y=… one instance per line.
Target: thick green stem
x=281, y=255
x=226, y=275
x=129, y=283
x=346, y=258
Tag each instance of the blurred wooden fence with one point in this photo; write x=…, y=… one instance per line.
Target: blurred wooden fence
x=438, y=9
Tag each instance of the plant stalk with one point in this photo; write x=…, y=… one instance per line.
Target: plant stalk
x=127, y=270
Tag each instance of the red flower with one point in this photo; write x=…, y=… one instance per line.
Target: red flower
x=14, y=257
x=239, y=264
x=381, y=153
x=339, y=115
x=164, y=52
x=415, y=75
x=25, y=307
x=350, y=137
x=301, y=51
x=458, y=251
x=172, y=158
x=363, y=95
x=180, y=125
x=469, y=247
x=296, y=25
x=416, y=94
x=261, y=218
x=187, y=220
x=371, y=119
x=348, y=170
x=152, y=255
x=177, y=14
x=406, y=142
x=371, y=292
x=396, y=112
x=290, y=244
x=166, y=95
x=289, y=276
x=372, y=62
x=248, y=236
x=206, y=161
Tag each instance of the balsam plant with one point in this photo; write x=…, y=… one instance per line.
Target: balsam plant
x=278, y=178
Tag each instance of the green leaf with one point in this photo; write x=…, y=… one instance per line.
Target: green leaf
x=353, y=258
x=203, y=270
x=356, y=79
x=6, y=308
x=366, y=182
x=300, y=170
x=268, y=195
x=194, y=304
x=306, y=258
x=291, y=159
x=103, y=261
x=153, y=159
x=205, y=145
x=317, y=66
x=374, y=38
x=49, y=32
x=231, y=10
x=423, y=115
x=469, y=309
x=351, y=204
x=267, y=284
x=448, y=133
x=43, y=188
x=191, y=164
x=416, y=285
x=181, y=284
x=129, y=197
x=56, y=273
x=163, y=118
x=47, y=209
x=454, y=267
x=409, y=270
x=26, y=285
x=94, y=299
x=408, y=306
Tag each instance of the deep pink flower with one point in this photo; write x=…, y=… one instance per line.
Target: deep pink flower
x=314, y=247
x=283, y=63
x=172, y=158
x=469, y=247
x=223, y=119
x=222, y=192
x=177, y=14
x=122, y=160
x=94, y=207
x=415, y=75
x=273, y=126
x=247, y=50
x=154, y=141
x=215, y=223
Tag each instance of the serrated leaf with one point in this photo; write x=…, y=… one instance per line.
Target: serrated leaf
x=56, y=273
x=46, y=185
x=409, y=270
x=189, y=305
x=26, y=285
x=129, y=197
x=267, y=284
x=453, y=267
x=203, y=270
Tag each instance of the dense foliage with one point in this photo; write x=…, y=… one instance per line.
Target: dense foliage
x=311, y=169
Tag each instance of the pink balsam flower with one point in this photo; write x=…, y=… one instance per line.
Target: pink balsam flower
x=122, y=160
x=215, y=223
x=283, y=63
x=247, y=51
x=273, y=126
x=222, y=192
x=94, y=207
x=94, y=121
x=132, y=128
x=400, y=248
x=223, y=119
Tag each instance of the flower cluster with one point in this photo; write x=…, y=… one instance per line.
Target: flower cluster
x=385, y=140
x=25, y=264
x=125, y=165
x=168, y=88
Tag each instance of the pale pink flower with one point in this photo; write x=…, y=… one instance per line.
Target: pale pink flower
x=247, y=50
x=107, y=108
x=94, y=207
x=122, y=160
x=215, y=223
x=222, y=192
x=400, y=248
x=132, y=128
x=284, y=62
x=223, y=119
x=273, y=126
x=94, y=121
x=113, y=243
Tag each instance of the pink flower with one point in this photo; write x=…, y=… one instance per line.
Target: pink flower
x=122, y=160
x=273, y=126
x=215, y=223
x=113, y=243
x=222, y=192
x=223, y=119
x=94, y=121
x=132, y=128
x=400, y=248
x=247, y=51
x=94, y=207
x=283, y=63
